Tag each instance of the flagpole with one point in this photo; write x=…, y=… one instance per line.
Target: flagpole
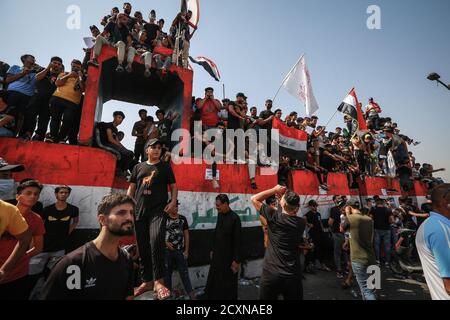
x=287, y=76
x=335, y=112
x=223, y=87
x=331, y=118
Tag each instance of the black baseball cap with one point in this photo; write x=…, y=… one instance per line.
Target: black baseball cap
x=153, y=142
x=240, y=94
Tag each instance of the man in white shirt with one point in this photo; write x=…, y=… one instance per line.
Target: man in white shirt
x=433, y=244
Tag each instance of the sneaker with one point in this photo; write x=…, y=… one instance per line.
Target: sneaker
x=339, y=275
x=129, y=68
x=254, y=186
x=49, y=139
x=93, y=62
x=120, y=68
x=147, y=73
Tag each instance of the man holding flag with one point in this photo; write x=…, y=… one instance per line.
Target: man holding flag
x=352, y=108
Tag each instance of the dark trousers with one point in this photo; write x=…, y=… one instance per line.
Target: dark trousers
x=361, y=159
x=273, y=285
x=20, y=101
x=318, y=252
x=65, y=110
x=150, y=231
x=176, y=259
x=38, y=107
x=75, y=130
x=127, y=162
x=139, y=152
x=15, y=290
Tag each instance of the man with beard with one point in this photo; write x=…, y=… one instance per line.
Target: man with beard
x=222, y=281
x=99, y=270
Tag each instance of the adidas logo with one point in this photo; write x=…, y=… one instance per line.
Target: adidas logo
x=90, y=283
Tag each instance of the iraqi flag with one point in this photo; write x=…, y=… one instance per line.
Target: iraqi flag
x=208, y=65
x=292, y=141
x=350, y=106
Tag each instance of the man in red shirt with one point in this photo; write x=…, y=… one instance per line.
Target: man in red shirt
x=16, y=285
x=209, y=108
x=372, y=113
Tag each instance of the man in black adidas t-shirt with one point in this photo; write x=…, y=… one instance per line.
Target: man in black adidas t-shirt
x=149, y=184
x=99, y=270
x=281, y=266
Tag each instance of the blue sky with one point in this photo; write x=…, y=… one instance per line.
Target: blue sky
x=255, y=43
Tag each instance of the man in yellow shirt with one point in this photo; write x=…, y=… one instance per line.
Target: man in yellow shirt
x=13, y=223
x=65, y=103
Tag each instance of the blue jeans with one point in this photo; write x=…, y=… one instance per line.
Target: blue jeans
x=6, y=132
x=163, y=64
x=338, y=240
x=385, y=236
x=176, y=258
x=360, y=272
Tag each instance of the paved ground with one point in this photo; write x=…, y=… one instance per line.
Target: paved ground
x=325, y=286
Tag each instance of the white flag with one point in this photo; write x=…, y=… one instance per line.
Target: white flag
x=298, y=84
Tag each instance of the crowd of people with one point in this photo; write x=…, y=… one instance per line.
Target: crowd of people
x=379, y=151
x=45, y=103
x=298, y=241
x=33, y=261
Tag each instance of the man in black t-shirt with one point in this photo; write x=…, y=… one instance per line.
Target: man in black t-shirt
x=60, y=219
x=314, y=222
x=138, y=132
x=99, y=270
x=119, y=36
x=382, y=220
x=109, y=136
x=39, y=103
x=267, y=115
x=334, y=222
x=235, y=117
x=177, y=251
x=281, y=266
x=152, y=30
x=148, y=186
x=164, y=129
